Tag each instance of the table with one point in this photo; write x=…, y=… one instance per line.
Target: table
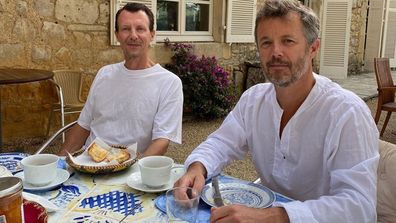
x=17, y=76
x=106, y=198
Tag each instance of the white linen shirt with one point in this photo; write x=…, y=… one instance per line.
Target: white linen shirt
x=326, y=159
x=127, y=106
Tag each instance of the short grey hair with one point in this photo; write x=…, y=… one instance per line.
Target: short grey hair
x=280, y=8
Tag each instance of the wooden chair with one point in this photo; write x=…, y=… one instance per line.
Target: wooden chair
x=386, y=90
x=68, y=85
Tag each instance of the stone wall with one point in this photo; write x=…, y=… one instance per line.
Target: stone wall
x=74, y=34
x=357, y=36
x=49, y=34
x=68, y=34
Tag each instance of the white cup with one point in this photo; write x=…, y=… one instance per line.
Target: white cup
x=40, y=169
x=155, y=170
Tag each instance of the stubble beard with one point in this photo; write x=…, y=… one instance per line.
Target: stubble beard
x=284, y=80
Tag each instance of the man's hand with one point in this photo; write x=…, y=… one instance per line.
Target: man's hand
x=194, y=177
x=240, y=213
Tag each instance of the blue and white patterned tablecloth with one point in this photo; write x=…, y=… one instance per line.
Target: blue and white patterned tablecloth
x=107, y=199
x=88, y=198
x=203, y=208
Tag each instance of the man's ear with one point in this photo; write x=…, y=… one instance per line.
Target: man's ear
x=152, y=35
x=116, y=35
x=314, y=48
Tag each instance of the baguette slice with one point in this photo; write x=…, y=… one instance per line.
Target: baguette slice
x=120, y=155
x=97, y=153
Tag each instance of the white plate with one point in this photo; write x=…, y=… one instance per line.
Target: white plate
x=248, y=194
x=12, y=160
x=135, y=181
x=61, y=177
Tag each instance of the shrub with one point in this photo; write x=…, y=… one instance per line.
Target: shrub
x=206, y=86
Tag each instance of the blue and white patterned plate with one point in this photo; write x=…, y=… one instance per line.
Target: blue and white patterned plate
x=12, y=160
x=248, y=194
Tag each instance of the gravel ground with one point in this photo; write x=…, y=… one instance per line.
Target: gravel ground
x=194, y=132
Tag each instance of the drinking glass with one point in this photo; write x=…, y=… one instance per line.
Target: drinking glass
x=182, y=204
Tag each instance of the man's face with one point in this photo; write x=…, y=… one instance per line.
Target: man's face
x=134, y=34
x=284, y=52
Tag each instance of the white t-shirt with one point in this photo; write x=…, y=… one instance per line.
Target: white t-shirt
x=326, y=159
x=126, y=106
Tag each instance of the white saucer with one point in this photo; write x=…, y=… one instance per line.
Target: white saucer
x=61, y=177
x=135, y=181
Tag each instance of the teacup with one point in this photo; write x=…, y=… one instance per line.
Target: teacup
x=155, y=170
x=40, y=169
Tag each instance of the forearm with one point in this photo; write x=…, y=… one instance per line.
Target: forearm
x=158, y=147
x=75, y=139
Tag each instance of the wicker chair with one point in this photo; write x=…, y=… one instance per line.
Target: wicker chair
x=386, y=90
x=68, y=85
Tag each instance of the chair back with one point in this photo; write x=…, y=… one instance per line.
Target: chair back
x=70, y=82
x=386, y=193
x=384, y=79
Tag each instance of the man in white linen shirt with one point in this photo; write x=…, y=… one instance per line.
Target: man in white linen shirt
x=135, y=100
x=309, y=139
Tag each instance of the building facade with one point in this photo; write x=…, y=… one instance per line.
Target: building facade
x=79, y=35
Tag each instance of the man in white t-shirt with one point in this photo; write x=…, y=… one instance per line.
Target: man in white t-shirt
x=309, y=139
x=135, y=100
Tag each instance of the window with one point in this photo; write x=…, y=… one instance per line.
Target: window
x=184, y=20
x=194, y=20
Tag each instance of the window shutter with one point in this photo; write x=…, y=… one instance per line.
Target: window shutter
x=389, y=46
x=241, y=15
x=115, y=5
x=374, y=33
x=335, y=38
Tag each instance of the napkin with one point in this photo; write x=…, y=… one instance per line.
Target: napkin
x=85, y=160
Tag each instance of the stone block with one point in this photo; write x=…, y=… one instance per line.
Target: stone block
x=44, y=8
x=54, y=33
x=77, y=11
x=110, y=56
x=11, y=54
x=24, y=30
x=101, y=40
x=82, y=40
x=86, y=28
x=6, y=26
x=82, y=57
x=63, y=55
x=21, y=8
x=104, y=13
x=41, y=53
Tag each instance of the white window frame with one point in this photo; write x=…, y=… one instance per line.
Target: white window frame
x=182, y=35
x=229, y=21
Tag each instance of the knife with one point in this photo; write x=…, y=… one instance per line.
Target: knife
x=216, y=192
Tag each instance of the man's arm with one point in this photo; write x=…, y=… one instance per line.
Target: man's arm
x=157, y=147
x=75, y=139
